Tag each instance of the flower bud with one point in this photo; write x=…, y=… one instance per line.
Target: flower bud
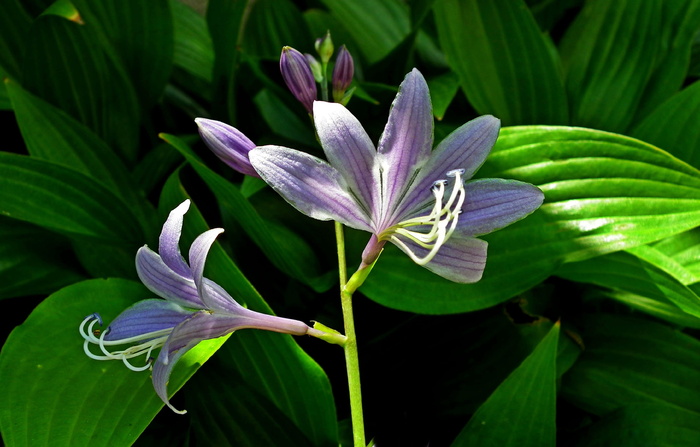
x=324, y=47
x=298, y=77
x=316, y=67
x=342, y=74
x=227, y=143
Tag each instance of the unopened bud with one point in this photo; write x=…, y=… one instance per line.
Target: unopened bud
x=298, y=77
x=227, y=143
x=342, y=74
x=316, y=67
x=324, y=47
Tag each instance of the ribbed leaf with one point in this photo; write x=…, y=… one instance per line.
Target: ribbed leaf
x=63, y=200
x=685, y=249
x=272, y=24
x=632, y=361
x=271, y=364
x=54, y=395
x=609, y=55
x=14, y=28
x=65, y=65
x=193, y=50
x=524, y=403
x=675, y=125
x=604, y=193
x=507, y=66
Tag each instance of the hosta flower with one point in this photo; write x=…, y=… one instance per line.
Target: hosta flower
x=227, y=143
x=194, y=308
x=403, y=191
x=297, y=74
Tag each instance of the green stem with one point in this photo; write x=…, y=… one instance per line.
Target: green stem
x=351, y=359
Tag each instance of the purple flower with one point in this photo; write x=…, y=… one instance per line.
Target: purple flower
x=194, y=309
x=342, y=74
x=403, y=191
x=296, y=73
x=227, y=143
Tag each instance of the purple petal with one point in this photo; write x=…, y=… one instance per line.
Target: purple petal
x=212, y=295
x=227, y=143
x=349, y=149
x=144, y=317
x=492, y=204
x=309, y=184
x=407, y=139
x=461, y=259
x=465, y=148
x=296, y=73
x=168, y=244
x=164, y=282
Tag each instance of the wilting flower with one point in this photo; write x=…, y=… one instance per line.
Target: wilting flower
x=343, y=72
x=194, y=309
x=403, y=191
x=296, y=73
x=227, y=143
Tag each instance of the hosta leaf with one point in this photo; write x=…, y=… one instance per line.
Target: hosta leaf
x=507, y=66
x=603, y=193
x=14, y=27
x=632, y=361
x=524, y=402
x=683, y=248
x=193, y=48
x=54, y=395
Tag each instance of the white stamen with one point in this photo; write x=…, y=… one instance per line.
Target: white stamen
x=149, y=342
x=442, y=220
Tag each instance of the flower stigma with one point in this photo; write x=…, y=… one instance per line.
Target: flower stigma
x=440, y=223
x=150, y=341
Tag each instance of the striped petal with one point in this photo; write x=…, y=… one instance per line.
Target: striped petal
x=169, y=242
x=164, y=281
x=145, y=317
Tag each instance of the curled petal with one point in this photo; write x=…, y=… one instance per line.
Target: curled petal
x=227, y=143
x=461, y=259
x=169, y=242
x=165, y=282
x=496, y=203
x=465, y=148
x=212, y=295
x=349, y=150
x=145, y=317
x=407, y=139
x=310, y=185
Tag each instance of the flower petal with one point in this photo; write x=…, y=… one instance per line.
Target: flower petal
x=227, y=143
x=310, y=185
x=461, y=259
x=169, y=241
x=349, y=149
x=407, y=139
x=163, y=281
x=465, y=148
x=492, y=204
x=145, y=317
x=212, y=295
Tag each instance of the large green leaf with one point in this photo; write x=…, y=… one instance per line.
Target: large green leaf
x=141, y=35
x=50, y=134
x=603, y=193
x=642, y=425
x=609, y=55
x=664, y=294
x=524, y=403
x=507, y=66
x=54, y=395
x=276, y=369
x=684, y=248
x=193, y=48
x=63, y=200
x=631, y=361
x=675, y=125
x=14, y=27
x=286, y=251
x=65, y=64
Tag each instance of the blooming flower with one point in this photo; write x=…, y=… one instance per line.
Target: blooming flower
x=227, y=143
x=194, y=309
x=403, y=191
x=296, y=73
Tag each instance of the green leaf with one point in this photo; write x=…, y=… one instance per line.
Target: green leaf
x=54, y=395
x=288, y=253
x=673, y=125
x=507, y=67
x=65, y=65
x=282, y=120
x=631, y=361
x=52, y=135
x=609, y=55
x=683, y=248
x=377, y=33
x=141, y=35
x=193, y=48
x=627, y=273
x=272, y=24
x=63, y=200
x=443, y=89
x=272, y=365
x=640, y=425
x=14, y=28
x=603, y=193
x=524, y=403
